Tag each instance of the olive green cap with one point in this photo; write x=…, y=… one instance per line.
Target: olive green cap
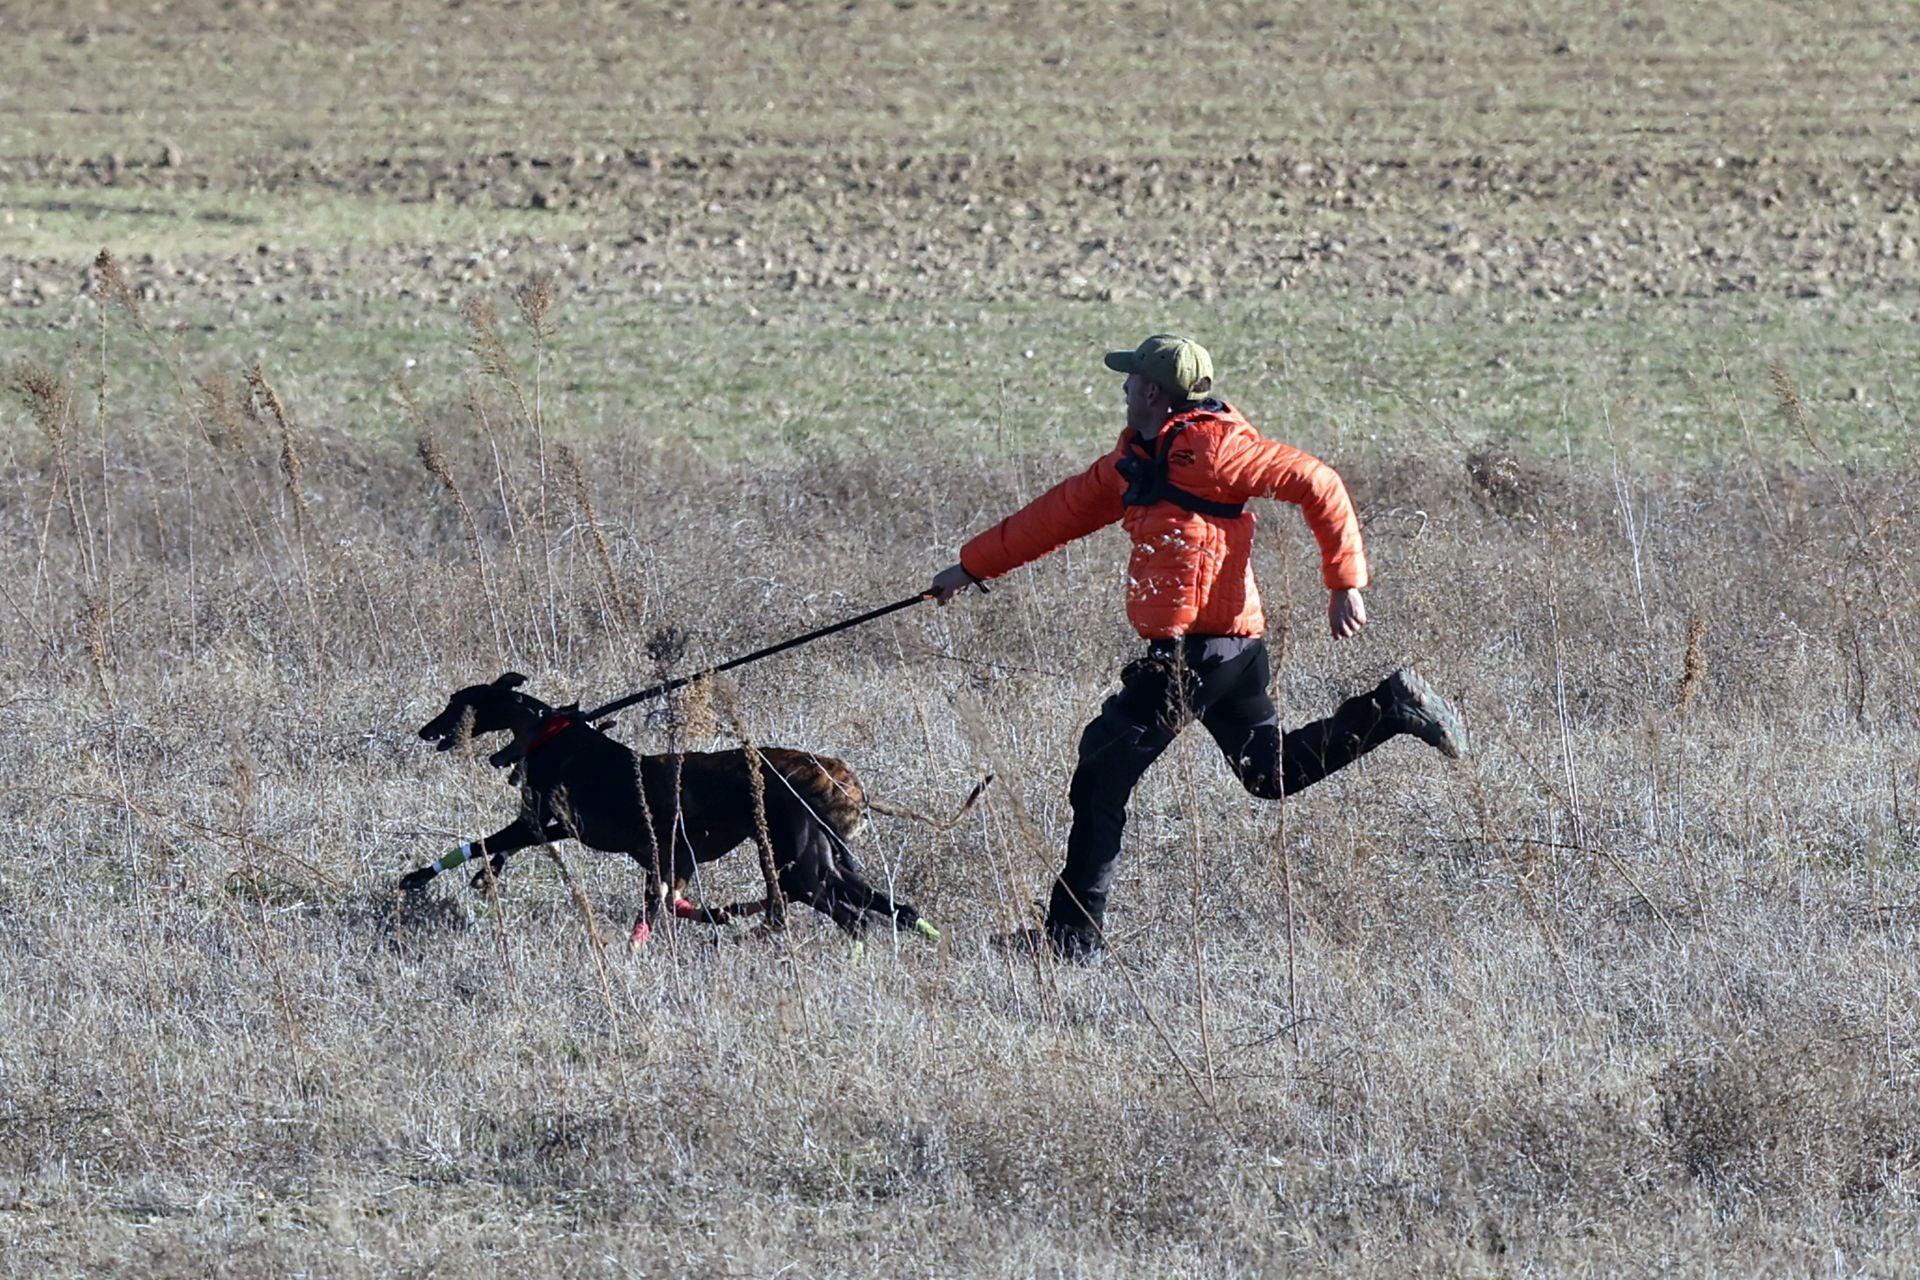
x=1179, y=366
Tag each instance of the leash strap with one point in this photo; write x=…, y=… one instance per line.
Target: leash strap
x=599, y=713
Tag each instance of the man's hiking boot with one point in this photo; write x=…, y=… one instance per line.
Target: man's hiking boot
x=1418, y=709
x=1065, y=945
x=1075, y=923
x=1077, y=946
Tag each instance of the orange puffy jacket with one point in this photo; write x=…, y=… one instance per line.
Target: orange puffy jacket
x=1190, y=574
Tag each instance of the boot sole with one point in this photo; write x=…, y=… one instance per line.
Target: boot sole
x=1425, y=703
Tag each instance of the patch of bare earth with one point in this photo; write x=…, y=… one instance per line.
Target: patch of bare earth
x=1553, y=234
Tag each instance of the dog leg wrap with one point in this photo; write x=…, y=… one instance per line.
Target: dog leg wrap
x=449, y=861
x=641, y=932
x=926, y=929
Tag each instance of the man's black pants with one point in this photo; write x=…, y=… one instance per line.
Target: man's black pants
x=1222, y=682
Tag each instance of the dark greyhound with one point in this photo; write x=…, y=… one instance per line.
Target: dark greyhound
x=670, y=813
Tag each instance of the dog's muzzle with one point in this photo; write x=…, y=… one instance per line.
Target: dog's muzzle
x=443, y=737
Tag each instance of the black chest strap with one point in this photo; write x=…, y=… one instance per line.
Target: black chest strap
x=1145, y=471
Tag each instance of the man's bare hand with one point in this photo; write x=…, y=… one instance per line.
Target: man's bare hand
x=1346, y=613
x=950, y=582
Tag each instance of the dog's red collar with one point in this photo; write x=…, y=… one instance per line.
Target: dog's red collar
x=552, y=729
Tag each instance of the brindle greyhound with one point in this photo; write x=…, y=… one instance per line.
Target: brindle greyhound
x=577, y=783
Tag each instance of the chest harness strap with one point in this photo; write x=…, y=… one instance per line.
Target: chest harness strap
x=1144, y=467
x=552, y=728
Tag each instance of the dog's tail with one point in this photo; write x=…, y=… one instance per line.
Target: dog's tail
x=938, y=824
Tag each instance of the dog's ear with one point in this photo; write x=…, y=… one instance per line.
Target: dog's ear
x=511, y=680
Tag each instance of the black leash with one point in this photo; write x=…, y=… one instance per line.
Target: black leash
x=601, y=712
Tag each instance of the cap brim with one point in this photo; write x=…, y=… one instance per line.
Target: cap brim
x=1122, y=362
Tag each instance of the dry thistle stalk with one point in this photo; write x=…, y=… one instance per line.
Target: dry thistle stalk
x=1693, y=668
x=697, y=717
x=220, y=413
x=267, y=401
x=690, y=716
x=49, y=401
x=463, y=731
x=434, y=459
x=511, y=506
x=483, y=338
x=667, y=645
x=110, y=284
x=535, y=299
x=410, y=401
x=757, y=783
x=656, y=863
x=241, y=780
x=1791, y=406
x=99, y=652
x=583, y=498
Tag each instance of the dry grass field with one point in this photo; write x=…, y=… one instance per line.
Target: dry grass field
x=603, y=342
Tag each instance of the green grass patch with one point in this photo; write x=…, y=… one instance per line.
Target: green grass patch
x=762, y=377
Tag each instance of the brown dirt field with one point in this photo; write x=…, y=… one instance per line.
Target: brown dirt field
x=940, y=151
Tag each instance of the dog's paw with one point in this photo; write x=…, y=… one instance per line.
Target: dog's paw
x=487, y=872
x=415, y=881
